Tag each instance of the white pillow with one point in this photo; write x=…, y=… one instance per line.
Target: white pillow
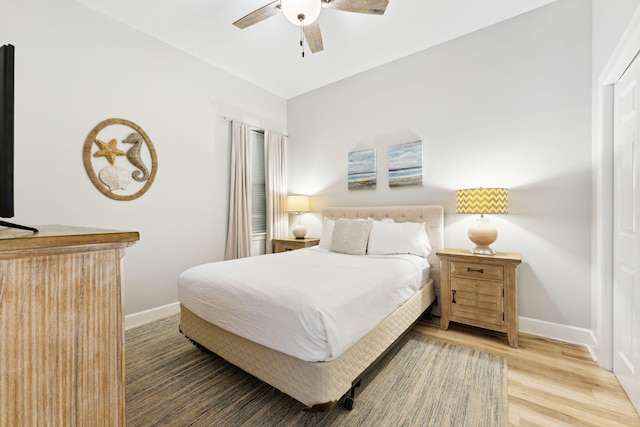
x=350, y=236
x=327, y=232
x=389, y=238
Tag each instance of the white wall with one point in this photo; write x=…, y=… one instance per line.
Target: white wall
x=610, y=19
x=76, y=68
x=506, y=106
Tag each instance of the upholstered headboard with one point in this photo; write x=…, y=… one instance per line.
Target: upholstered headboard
x=432, y=216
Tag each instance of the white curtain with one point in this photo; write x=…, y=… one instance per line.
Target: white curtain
x=275, y=158
x=239, y=230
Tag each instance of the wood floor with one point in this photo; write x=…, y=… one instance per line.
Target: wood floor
x=551, y=383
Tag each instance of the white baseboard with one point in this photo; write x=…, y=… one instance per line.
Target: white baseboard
x=140, y=318
x=556, y=331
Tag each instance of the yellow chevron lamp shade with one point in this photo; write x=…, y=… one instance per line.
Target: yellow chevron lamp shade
x=482, y=201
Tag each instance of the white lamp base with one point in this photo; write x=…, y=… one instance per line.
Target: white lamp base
x=299, y=231
x=482, y=233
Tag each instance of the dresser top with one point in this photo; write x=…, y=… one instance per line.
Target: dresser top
x=12, y=239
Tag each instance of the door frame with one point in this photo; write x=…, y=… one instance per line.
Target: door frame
x=602, y=241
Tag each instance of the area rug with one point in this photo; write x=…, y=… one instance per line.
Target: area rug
x=421, y=382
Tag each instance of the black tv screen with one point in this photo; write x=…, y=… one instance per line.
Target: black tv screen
x=6, y=130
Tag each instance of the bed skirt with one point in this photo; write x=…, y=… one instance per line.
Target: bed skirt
x=318, y=385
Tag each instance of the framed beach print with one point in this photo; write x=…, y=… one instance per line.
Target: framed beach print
x=362, y=169
x=405, y=164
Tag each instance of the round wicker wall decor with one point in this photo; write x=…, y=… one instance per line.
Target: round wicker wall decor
x=120, y=159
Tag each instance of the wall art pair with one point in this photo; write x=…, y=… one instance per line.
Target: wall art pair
x=405, y=166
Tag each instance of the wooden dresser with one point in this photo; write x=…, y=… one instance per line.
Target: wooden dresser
x=480, y=290
x=62, y=326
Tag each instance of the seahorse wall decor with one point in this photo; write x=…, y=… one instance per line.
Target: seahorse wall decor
x=113, y=179
x=133, y=154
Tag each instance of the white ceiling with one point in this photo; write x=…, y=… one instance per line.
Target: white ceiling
x=268, y=54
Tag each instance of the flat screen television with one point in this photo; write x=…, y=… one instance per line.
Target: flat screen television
x=7, y=57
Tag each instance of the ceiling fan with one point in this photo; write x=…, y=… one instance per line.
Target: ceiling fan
x=304, y=13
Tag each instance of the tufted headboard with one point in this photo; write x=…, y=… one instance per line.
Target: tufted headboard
x=432, y=216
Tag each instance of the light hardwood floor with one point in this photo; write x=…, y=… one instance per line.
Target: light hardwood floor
x=550, y=383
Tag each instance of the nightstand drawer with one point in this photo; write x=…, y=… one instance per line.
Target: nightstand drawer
x=482, y=271
x=285, y=245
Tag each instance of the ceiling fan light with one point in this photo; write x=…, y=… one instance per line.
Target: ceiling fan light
x=301, y=12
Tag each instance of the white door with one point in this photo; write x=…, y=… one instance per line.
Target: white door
x=626, y=237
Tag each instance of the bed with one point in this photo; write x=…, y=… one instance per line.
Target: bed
x=319, y=378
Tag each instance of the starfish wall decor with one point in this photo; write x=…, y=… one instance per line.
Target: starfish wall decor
x=110, y=150
x=140, y=161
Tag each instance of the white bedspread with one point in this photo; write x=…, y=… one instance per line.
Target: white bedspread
x=310, y=303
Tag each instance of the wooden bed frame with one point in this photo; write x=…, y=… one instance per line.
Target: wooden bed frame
x=320, y=385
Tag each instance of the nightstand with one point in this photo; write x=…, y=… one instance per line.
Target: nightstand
x=480, y=290
x=291, y=244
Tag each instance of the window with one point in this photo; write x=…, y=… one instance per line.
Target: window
x=258, y=190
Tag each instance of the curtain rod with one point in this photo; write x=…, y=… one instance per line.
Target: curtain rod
x=230, y=119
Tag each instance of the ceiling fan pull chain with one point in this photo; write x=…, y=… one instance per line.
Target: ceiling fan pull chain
x=302, y=41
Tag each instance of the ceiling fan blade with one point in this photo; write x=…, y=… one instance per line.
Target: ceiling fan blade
x=258, y=15
x=313, y=36
x=372, y=7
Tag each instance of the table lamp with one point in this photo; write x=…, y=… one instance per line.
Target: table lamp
x=298, y=203
x=482, y=201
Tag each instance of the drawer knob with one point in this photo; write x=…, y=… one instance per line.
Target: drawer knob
x=479, y=270
x=453, y=297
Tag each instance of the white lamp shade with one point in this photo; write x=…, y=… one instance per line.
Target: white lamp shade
x=298, y=203
x=301, y=12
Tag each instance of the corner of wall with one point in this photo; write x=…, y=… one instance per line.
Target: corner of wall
x=147, y=316
x=556, y=331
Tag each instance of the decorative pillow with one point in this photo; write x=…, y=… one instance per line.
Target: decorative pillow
x=327, y=231
x=389, y=238
x=350, y=236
